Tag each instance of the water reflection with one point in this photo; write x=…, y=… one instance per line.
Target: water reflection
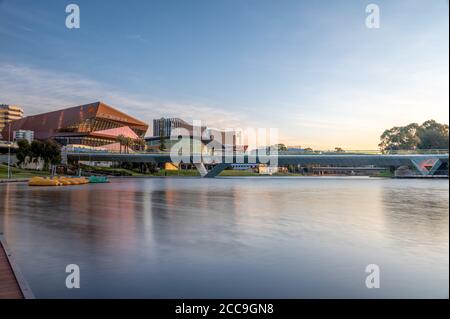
x=231, y=237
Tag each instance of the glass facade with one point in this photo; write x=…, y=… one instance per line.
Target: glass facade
x=91, y=125
x=95, y=124
x=164, y=126
x=83, y=140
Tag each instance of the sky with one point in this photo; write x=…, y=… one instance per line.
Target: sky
x=312, y=69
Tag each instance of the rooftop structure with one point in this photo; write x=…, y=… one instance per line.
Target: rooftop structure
x=95, y=124
x=9, y=113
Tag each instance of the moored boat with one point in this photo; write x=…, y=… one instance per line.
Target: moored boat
x=57, y=181
x=98, y=179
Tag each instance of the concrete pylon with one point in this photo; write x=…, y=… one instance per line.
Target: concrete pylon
x=216, y=170
x=201, y=169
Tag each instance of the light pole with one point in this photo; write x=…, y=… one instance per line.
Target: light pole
x=9, y=150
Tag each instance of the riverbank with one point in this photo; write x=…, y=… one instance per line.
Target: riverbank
x=13, y=180
x=19, y=174
x=123, y=172
x=422, y=177
x=13, y=284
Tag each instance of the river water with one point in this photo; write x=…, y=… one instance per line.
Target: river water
x=260, y=237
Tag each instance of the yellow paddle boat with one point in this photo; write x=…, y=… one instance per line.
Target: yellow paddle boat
x=57, y=181
x=65, y=181
x=81, y=180
x=41, y=181
x=73, y=180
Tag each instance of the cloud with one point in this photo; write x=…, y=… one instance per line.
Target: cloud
x=39, y=91
x=137, y=38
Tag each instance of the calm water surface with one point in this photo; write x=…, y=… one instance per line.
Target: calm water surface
x=232, y=237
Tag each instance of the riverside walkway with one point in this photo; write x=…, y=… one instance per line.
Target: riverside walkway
x=12, y=283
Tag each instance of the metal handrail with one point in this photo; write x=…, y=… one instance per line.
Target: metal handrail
x=314, y=152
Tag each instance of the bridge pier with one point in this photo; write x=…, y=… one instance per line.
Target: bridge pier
x=201, y=169
x=216, y=170
x=427, y=166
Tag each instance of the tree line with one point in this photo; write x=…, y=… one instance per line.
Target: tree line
x=49, y=151
x=128, y=142
x=429, y=135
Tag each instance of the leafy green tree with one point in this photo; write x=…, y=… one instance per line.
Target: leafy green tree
x=433, y=135
x=277, y=147
x=282, y=148
x=36, y=150
x=128, y=143
x=400, y=138
x=49, y=151
x=140, y=144
x=52, y=153
x=429, y=135
x=121, y=139
x=162, y=138
x=23, y=151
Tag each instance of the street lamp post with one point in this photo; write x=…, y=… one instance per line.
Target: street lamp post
x=9, y=151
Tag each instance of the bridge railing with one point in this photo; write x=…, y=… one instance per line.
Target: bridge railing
x=366, y=152
x=304, y=152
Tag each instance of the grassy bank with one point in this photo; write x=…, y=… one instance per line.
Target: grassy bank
x=112, y=171
x=187, y=172
x=237, y=173
x=160, y=172
x=20, y=173
x=384, y=174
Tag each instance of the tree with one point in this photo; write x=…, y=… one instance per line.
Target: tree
x=23, y=151
x=277, y=147
x=52, y=153
x=281, y=148
x=48, y=151
x=339, y=150
x=433, y=135
x=129, y=143
x=140, y=144
x=162, y=138
x=400, y=138
x=36, y=150
x=429, y=135
x=121, y=139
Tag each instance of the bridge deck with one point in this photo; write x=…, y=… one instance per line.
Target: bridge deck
x=420, y=161
x=282, y=159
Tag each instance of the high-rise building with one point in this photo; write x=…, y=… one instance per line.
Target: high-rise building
x=9, y=113
x=164, y=126
x=23, y=135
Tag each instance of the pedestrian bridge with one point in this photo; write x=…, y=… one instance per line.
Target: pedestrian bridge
x=426, y=164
